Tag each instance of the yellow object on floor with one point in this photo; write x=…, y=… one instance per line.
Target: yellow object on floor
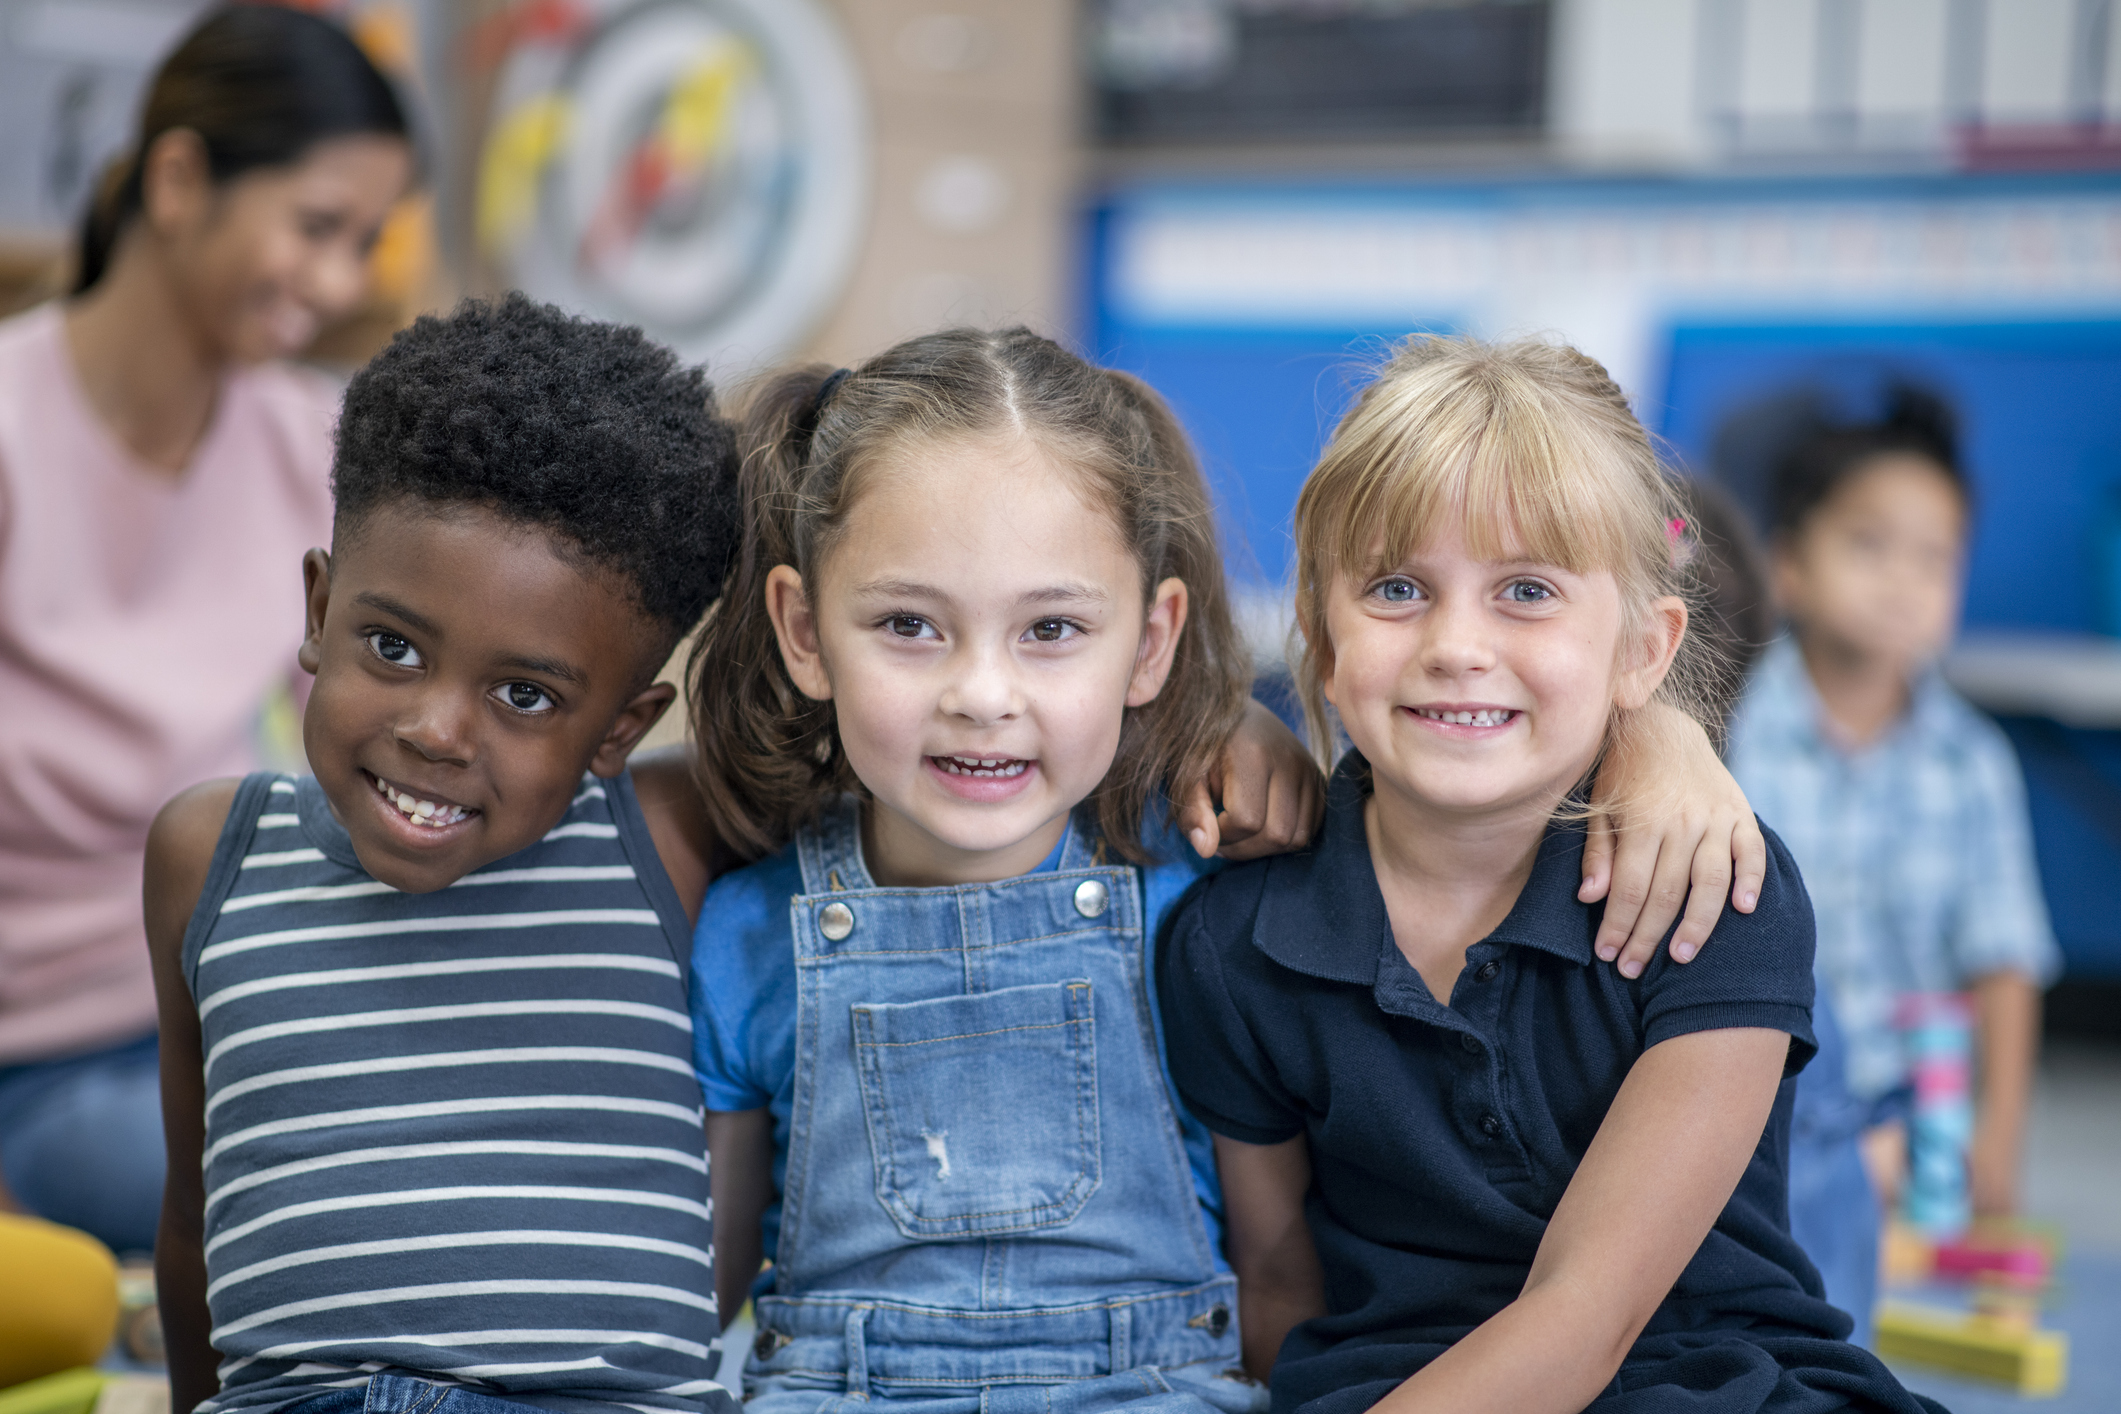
x=2009, y=1352
x=68, y=1392
x=59, y=1304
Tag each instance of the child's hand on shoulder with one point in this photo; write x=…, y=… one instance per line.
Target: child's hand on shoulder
x=1265, y=796
x=1670, y=827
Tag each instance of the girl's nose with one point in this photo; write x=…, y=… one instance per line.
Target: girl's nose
x=983, y=688
x=1455, y=642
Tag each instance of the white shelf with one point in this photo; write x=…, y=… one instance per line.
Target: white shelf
x=2073, y=678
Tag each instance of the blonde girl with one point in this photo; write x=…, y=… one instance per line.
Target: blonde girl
x=1466, y=1167
x=977, y=645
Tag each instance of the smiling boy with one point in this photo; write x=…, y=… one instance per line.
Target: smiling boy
x=435, y=1142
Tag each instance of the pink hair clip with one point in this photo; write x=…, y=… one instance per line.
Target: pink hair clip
x=1674, y=528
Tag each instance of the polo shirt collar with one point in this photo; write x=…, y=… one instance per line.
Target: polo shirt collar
x=1783, y=700
x=1324, y=915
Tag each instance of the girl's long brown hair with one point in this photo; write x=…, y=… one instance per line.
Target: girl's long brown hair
x=769, y=757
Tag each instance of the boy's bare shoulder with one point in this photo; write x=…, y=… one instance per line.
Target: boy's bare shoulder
x=180, y=851
x=669, y=794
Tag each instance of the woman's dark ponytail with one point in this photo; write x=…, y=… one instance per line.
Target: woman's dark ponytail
x=260, y=84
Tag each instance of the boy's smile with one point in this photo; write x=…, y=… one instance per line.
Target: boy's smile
x=467, y=675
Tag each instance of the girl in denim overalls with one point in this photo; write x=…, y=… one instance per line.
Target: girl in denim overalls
x=977, y=640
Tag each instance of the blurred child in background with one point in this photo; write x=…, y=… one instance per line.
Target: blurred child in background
x=1903, y=805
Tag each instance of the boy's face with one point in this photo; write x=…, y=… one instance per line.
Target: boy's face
x=1874, y=573
x=466, y=676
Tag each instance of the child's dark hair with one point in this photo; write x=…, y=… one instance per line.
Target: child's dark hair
x=770, y=758
x=592, y=432
x=260, y=85
x=1733, y=609
x=1823, y=450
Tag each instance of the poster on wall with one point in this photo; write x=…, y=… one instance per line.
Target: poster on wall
x=697, y=167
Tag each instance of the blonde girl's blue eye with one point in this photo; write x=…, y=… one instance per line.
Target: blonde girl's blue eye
x=1397, y=590
x=1528, y=591
x=394, y=650
x=525, y=697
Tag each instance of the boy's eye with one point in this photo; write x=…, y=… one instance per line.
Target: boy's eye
x=909, y=626
x=1053, y=630
x=395, y=650
x=1528, y=591
x=525, y=697
x=1397, y=591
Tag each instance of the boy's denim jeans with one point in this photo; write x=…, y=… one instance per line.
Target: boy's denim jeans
x=81, y=1142
x=402, y=1394
x=1833, y=1210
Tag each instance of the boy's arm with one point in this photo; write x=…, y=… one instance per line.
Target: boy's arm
x=180, y=849
x=1665, y=1161
x=740, y=1178
x=1264, y=796
x=1279, y=1282
x=2007, y=1039
x=1671, y=827
x=677, y=821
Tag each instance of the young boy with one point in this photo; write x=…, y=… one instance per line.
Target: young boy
x=435, y=1142
x=1903, y=806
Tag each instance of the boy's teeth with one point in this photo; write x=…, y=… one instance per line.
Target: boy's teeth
x=1483, y=718
x=420, y=812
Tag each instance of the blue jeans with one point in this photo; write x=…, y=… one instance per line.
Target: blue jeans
x=81, y=1142
x=402, y=1394
x=1833, y=1210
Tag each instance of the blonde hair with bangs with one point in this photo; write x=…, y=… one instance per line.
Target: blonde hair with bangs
x=1532, y=446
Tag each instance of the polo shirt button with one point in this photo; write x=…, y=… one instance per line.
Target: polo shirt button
x=1469, y=1041
x=1092, y=898
x=1491, y=1126
x=835, y=921
x=1489, y=970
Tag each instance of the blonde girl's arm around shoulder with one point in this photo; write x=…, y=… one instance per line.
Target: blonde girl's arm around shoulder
x=740, y=1178
x=180, y=850
x=1670, y=828
x=1665, y=1161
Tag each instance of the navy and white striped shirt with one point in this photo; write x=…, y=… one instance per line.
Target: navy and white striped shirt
x=452, y=1135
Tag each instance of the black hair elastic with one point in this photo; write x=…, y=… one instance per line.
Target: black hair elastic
x=807, y=424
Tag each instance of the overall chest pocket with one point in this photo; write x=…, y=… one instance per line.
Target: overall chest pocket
x=982, y=1109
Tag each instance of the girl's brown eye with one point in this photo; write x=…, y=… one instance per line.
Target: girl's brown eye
x=908, y=625
x=1048, y=630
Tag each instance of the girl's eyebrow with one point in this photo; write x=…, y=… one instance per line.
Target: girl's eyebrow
x=914, y=590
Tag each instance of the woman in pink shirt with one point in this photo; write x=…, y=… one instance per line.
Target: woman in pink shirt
x=161, y=474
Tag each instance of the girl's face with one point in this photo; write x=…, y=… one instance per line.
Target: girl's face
x=980, y=629
x=1477, y=687
x=268, y=259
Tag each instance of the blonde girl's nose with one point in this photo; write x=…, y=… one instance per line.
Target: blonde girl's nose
x=1454, y=638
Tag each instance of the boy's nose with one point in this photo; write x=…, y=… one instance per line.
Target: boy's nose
x=440, y=730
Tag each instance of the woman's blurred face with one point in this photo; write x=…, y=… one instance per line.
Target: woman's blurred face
x=278, y=253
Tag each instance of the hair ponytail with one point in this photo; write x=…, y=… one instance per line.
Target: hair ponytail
x=260, y=85
x=770, y=757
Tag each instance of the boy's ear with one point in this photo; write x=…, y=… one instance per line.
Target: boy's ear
x=1663, y=630
x=795, y=625
x=1160, y=634
x=316, y=598
x=633, y=722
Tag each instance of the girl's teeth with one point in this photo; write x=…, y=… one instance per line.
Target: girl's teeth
x=1482, y=718
x=1002, y=766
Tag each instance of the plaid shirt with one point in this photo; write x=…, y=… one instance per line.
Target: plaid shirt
x=1916, y=851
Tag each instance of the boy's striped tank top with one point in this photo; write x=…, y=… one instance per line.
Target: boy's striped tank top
x=452, y=1135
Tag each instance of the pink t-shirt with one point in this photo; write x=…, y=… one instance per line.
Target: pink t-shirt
x=145, y=622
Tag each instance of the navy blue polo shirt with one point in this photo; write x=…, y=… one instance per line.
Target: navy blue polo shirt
x=1442, y=1136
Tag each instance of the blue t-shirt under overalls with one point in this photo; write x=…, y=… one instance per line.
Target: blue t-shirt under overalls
x=984, y=1181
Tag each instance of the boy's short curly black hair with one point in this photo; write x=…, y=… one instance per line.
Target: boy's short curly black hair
x=590, y=431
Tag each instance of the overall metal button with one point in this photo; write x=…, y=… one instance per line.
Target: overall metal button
x=1092, y=898
x=835, y=921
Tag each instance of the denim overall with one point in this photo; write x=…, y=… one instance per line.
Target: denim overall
x=987, y=1206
